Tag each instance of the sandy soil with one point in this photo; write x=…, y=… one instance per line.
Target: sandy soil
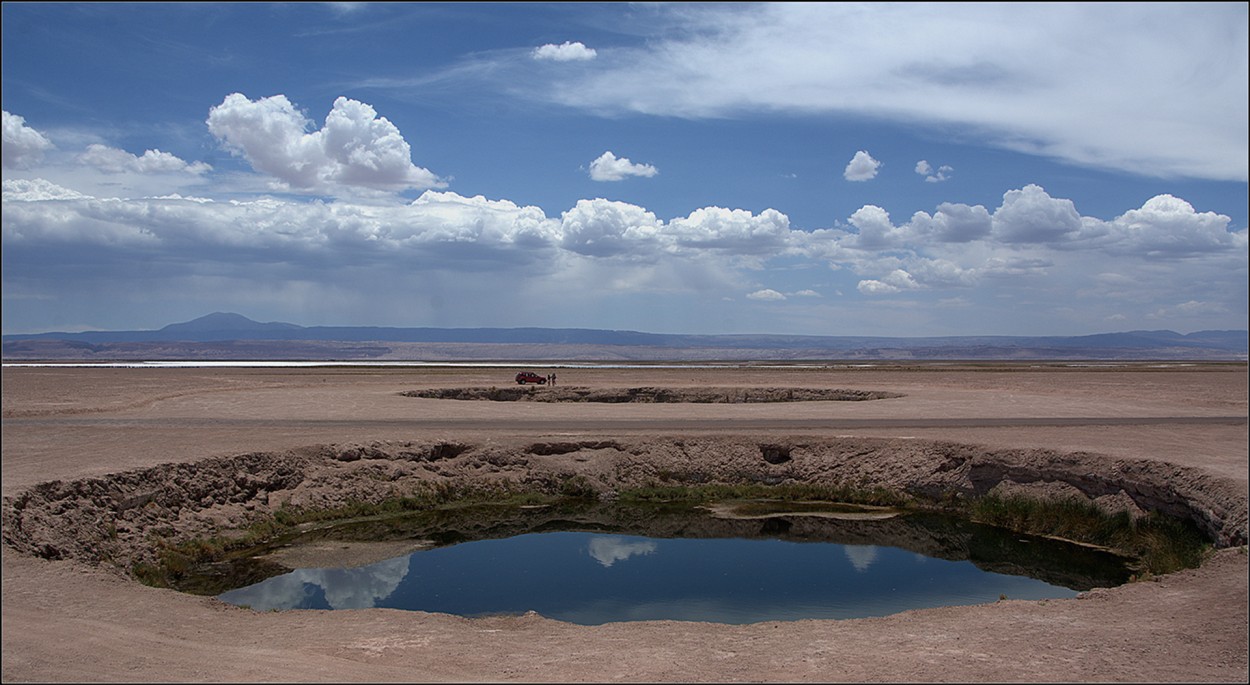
x=1179, y=432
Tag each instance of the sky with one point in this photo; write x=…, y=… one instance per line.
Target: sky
x=785, y=168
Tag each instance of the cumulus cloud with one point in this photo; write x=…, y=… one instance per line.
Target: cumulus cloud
x=862, y=167
x=565, y=52
x=604, y=228
x=608, y=167
x=735, y=230
x=113, y=160
x=497, y=226
x=1029, y=215
x=23, y=146
x=355, y=148
x=875, y=230
x=1165, y=226
x=952, y=223
x=934, y=176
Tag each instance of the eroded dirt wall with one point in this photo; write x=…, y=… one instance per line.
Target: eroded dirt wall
x=113, y=520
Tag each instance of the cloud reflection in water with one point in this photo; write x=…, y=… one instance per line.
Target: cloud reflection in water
x=343, y=588
x=611, y=549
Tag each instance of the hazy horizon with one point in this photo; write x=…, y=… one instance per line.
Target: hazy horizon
x=618, y=330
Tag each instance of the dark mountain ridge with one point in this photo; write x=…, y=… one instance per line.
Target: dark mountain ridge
x=221, y=335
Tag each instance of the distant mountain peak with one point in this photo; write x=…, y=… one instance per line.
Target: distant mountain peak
x=227, y=321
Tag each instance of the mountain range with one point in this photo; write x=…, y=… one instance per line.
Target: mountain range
x=227, y=336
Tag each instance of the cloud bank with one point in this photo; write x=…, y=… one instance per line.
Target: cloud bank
x=957, y=247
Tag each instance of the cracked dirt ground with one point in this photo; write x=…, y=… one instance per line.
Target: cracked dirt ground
x=1179, y=429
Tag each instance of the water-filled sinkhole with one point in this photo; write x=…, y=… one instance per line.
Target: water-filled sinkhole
x=591, y=562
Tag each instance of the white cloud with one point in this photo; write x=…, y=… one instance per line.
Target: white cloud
x=493, y=224
x=734, y=230
x=22, y=146
x=876, y=232
x=942, y=174
x=354, y=149
x=565, y=52
x=862, y=167
x=952, y=223
x=894, y=282
x=608, y=167
x=767, y=295
x=996, y=72
x=112, y=160
x=1029, y=215
x=940, y=273
x=603, y=228
x=1165, y=226
x=36, y=190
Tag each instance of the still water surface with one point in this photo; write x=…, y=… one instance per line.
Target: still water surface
x=592, y=578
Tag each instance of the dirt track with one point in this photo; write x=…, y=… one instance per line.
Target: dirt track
x=66, y=620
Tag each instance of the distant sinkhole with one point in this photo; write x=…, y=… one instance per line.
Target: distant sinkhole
x=590, y=563
x=652, y=395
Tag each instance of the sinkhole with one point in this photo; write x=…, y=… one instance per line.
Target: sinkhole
x=591, y=562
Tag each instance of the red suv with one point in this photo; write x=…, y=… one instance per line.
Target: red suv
x=530, y=377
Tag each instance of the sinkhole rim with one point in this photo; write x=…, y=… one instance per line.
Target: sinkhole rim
x=114, y=519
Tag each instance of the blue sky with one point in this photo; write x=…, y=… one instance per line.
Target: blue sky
x=796, y=168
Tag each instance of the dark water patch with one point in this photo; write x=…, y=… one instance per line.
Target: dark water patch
x=593, y=562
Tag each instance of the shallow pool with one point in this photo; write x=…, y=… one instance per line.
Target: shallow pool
x=769, y=568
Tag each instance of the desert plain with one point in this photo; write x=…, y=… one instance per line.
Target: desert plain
x=1174, y=434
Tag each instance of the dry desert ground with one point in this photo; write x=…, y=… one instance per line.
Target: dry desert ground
x=1172, y=435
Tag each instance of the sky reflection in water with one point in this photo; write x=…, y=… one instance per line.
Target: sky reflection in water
x=592, y=578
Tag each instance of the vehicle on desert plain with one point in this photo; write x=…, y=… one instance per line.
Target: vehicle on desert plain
x=530, y=377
